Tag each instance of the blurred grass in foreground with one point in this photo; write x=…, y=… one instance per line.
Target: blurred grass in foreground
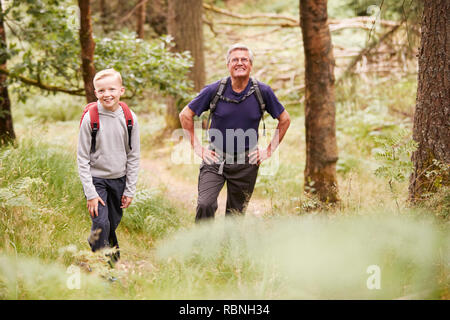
x=308, y=257
x=315, y=257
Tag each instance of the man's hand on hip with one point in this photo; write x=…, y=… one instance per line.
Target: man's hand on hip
x=259, y=155
x=209, y=156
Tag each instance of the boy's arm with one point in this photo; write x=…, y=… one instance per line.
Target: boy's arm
x=83, y=159
x=133, y=157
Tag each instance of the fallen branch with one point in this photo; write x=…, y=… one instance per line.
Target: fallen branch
x=365, y=20
x=129, y=14
x=291, y=22
x=259, y=24
x=364, y=52
x=249, y=16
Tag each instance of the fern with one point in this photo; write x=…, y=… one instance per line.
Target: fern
x=395, y=155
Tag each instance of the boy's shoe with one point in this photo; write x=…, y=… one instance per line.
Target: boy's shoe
x=113, y=258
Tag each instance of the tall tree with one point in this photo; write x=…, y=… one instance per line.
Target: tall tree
x=103, y=8
x=157, y=16
x=141, y=15
x=432, y=115
x=87, y=49
x=185, y=25
x=321, y=145
x=6, y=123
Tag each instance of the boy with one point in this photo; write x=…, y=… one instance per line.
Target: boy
x=109, y=173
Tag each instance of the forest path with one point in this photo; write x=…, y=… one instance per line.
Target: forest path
x=157, y=173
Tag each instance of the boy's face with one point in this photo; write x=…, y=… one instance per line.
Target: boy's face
x=108, y=91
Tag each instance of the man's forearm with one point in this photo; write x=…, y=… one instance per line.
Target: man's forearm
x=187, y=123
x=280, y=131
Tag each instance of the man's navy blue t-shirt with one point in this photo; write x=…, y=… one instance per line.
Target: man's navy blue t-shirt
x=245, y=115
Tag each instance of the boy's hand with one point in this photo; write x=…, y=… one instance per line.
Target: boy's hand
x=92, y=206
x=126, y=201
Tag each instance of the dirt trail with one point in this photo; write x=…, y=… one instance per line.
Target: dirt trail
x=157, y=174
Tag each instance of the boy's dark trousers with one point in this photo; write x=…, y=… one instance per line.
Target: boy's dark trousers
x=103, y=231
x=240, y=178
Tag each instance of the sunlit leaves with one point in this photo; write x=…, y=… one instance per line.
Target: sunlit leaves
x=44, y=47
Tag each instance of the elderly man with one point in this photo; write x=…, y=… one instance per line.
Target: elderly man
x=237, y=105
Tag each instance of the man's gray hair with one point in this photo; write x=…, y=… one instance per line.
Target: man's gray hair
x=239, y=46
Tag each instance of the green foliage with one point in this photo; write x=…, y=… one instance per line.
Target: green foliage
x=48, y=109
x=439, y=173
x=145, y=65
x=395, y=154
x=40, y=193
x=34, y=160
x=152, y=214
x=438, y=202
x=45, y=48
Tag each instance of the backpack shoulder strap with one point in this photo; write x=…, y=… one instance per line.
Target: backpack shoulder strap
x=127, y=113
x=262, y=104
x=219, y=92
x=128, y=120
x=87, y=109
x=94, y=121
x=215, y=99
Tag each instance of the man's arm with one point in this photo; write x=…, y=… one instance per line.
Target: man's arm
x=258, y=156
x=187, y=122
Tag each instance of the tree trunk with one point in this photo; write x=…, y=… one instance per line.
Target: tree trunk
x=321, y=146
x=432, y=115
x=7, y=134
x=141, y=14
x=157, y=16
x=185, y=24
x=104, y=16
x=87, y=49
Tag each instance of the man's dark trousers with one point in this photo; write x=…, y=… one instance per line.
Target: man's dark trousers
x=240, y=180
x=103, y=232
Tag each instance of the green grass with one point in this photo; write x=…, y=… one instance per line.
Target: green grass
x=164, y=256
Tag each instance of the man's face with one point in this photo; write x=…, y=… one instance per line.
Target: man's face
x=239, y=64
x=108, y=91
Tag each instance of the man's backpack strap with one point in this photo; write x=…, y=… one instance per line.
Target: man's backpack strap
x=128, y=120
x=215, y=99
x=219, y=95
x=262, y=104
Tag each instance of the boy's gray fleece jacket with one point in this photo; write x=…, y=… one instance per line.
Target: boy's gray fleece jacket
x=112, y=157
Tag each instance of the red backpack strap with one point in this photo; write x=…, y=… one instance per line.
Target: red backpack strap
x=128, y=120
x=86, y=109
x=95, y=122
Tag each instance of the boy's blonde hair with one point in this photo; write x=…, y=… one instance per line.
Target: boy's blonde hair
x=107, y=73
